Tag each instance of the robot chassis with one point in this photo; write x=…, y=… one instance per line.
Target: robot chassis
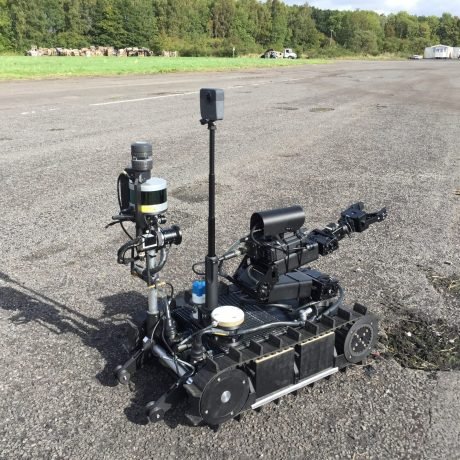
x=272, y=328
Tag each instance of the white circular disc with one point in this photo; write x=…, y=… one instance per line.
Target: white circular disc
x=228, y=316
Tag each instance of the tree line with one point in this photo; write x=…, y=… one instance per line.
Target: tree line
x=215, y=27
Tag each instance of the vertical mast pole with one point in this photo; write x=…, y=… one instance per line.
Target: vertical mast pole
x=211, y=260
x=212, y=191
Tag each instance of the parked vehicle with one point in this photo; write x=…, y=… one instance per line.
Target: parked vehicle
x=288, y=53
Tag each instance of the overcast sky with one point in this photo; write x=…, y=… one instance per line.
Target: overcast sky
x=418, y=7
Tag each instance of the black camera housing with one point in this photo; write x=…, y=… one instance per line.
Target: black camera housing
x=276, y=221
x=212, y=104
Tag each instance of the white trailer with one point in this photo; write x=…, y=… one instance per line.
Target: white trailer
x=439, y=52
x=456, y=52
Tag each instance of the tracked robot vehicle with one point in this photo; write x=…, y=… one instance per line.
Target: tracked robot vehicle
x=272, y=327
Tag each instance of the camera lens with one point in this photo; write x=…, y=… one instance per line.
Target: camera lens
x=172, y=235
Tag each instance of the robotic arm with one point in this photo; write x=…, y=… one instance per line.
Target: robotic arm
x=353, y=220
x=277, y=247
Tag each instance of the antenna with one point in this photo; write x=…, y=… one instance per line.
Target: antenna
x=212, y=109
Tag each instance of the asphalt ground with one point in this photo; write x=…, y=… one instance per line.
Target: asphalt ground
x=385, y=133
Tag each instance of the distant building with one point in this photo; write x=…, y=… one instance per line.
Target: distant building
x=441, y=52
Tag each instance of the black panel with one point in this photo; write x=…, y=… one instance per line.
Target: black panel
x=273, y=373
x=315, y=356
x=294, y=285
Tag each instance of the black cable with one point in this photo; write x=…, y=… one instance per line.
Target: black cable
x=334, y=306
x=269, y=326
x=265, y=243
x=286, y=250
x=212, y=330
x=163, y=259
x=172, y=289
x=286, y=259
x=156, y=325
x=221, y=263
x=200, y=331
x=124, y=249
x=282, y=306
x=169, y=348
x=119, y=204
x=309, y=304
x=294, y=251
x=124, y=229
x=194, y=269
x=272, y=246
x=186, y=376
x=224, y=275
x=118, y=189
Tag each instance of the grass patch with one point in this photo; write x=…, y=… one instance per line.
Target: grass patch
x=446, y=284
x=419, y=343
x=25, y=67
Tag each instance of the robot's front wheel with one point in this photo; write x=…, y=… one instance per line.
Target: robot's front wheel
x=360, y=339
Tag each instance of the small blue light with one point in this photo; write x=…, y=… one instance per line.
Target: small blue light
x=199, y=287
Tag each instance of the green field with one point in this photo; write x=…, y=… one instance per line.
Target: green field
x=24, y=67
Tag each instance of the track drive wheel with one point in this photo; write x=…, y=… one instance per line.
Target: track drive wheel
x=224, y=396
x=360, y=339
